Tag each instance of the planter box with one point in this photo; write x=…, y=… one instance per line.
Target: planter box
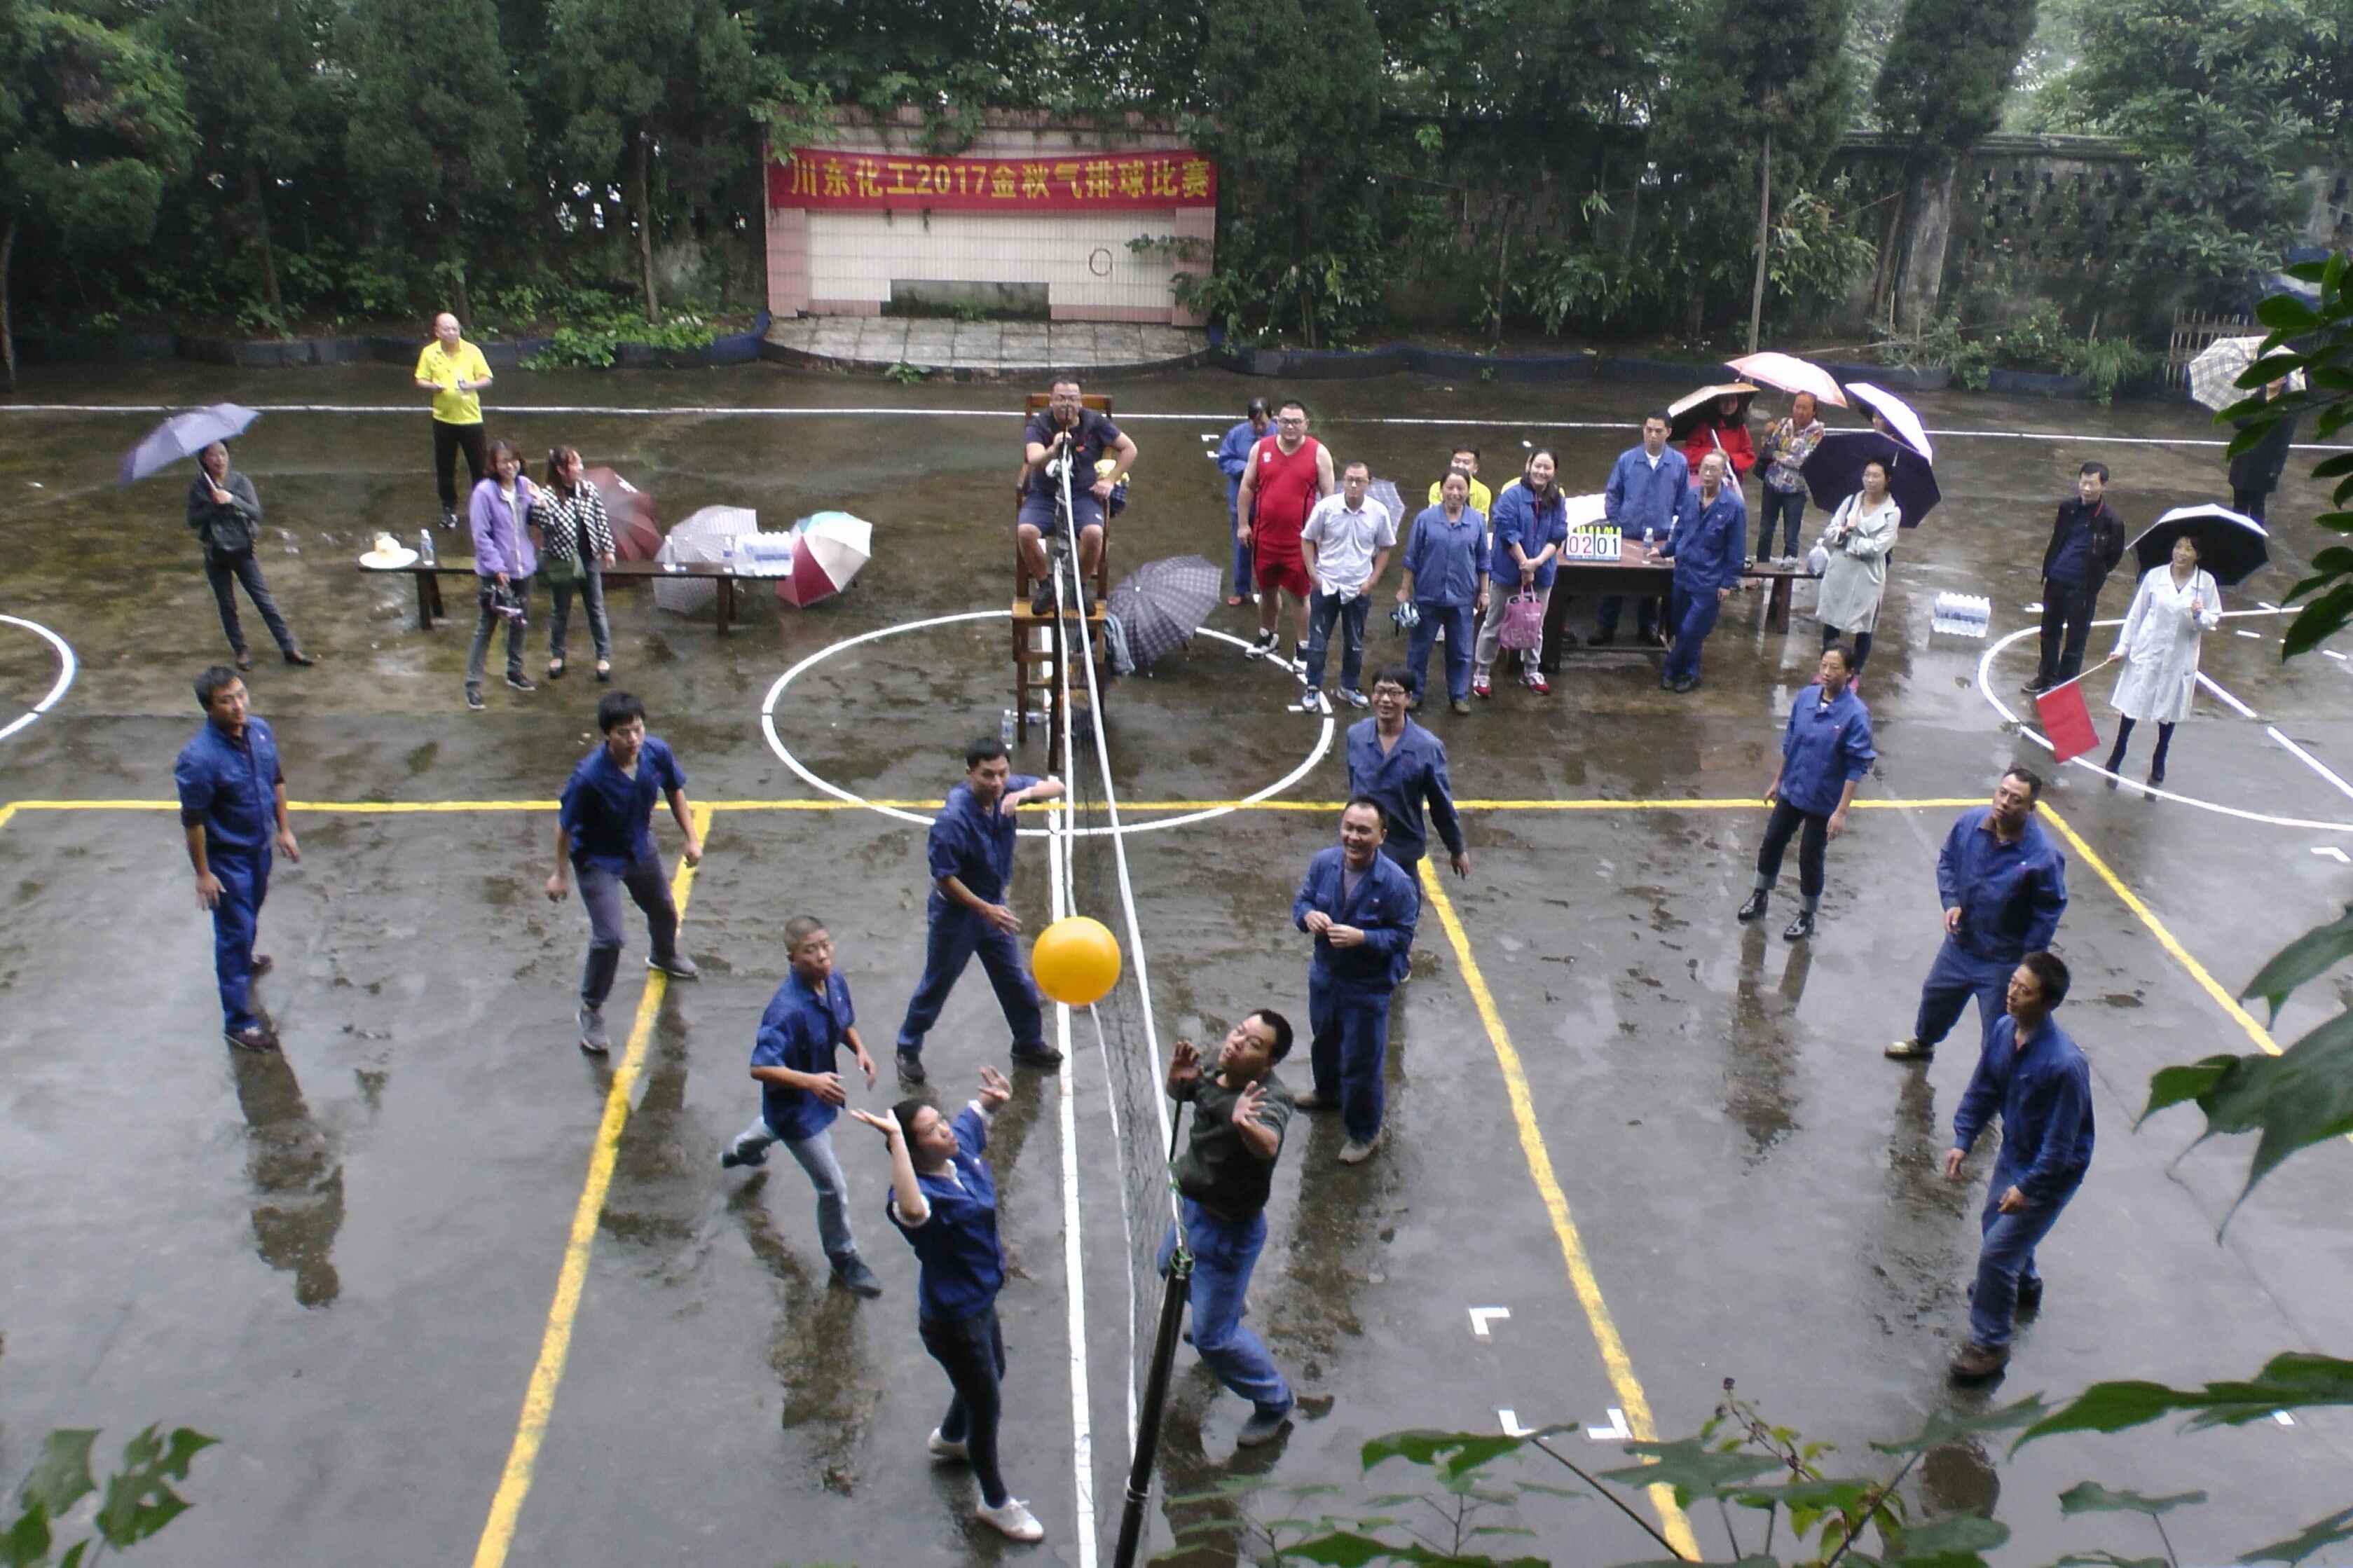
x=84, y=348
x=1893, y=377
x=2038, y=384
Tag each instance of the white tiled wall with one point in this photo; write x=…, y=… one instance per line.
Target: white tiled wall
x=855, y=255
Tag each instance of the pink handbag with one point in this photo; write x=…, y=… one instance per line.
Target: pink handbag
x=1523, y=627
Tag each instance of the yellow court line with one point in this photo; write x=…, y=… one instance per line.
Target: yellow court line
x=1620, y=1366
x=427, y=807
x=555, y=1345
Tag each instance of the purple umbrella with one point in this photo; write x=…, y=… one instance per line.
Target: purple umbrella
x=184, y=436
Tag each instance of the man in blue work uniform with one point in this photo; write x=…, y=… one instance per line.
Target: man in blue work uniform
x=1360, y=907
x=604, y=831
x=2004, y=886
x=2087, y=539
x=1709, y=546
x=2038, y=1079
x=1644, y=497
x=808, y=1020
x=970, y=851
x=232, y=806
x=1233, y=461
x=1397, y=764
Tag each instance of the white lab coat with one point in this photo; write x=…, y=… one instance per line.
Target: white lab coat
x=1857, y=572
x=2159, y=644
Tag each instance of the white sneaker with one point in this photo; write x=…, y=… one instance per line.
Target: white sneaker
x=1312, y=701
x=941, y=1448
x=1356, y=698
x=1788, y=562
x=1014, y=1521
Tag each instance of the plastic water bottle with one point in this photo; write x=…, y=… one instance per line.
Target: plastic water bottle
x=425, y=547
x=727, y=551
x=1005, y=729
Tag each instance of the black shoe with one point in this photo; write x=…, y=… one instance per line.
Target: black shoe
x=911, y=1066
x=1041, y=602
x=1655, y=639
x=1037, y=1057
x=1687, y=685
x=521, y=682
x=2034, y=686
x=1601, y=639
x=1260, y=646
x=295, y=655
x=449, y=518
x=2157, y=778
x=2030, y=1297
x=1909, y=1050
x=1799, y=929
x=1666, y=683
x=255, y=1038
x=261, y=965
x=1979, y=1363
x=1755, y=908
x=474, y=699
x=852, y=1275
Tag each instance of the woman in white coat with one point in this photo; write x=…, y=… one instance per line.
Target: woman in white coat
x=2176, y=606
x=1857, y=540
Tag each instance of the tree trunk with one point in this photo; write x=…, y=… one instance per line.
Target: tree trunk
x=1891, y=260
x=645, y=224
x=461, y=304
x=7, y=328
x=258, y=215
x=1928, y=233
x=1763, y=232
x=1503, y=269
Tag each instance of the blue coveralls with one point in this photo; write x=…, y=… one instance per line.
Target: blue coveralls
x=231, y=787
x=1233, y=460
x=1348, y=989
x=975, y=847
x=1445, y=559
x=1402, y=778
x=1637, y=496
x=1708, y=547
x=2011, y=897
x=2044, y=1090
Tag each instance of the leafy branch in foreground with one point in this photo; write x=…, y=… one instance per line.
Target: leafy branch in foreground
x=138, y=1499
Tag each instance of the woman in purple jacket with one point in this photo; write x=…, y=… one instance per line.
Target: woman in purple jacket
x=503, y=563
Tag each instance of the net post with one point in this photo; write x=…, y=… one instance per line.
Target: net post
x=1147, y=1421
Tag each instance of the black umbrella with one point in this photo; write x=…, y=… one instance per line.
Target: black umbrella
x=2230, y=547
x=1835, y=473
x=1162, y=604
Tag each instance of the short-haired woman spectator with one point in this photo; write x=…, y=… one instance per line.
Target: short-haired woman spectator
x=577, y=544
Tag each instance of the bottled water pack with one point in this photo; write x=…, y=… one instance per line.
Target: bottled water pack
x=1963, y=614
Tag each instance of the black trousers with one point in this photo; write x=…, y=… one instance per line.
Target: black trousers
x=2248, y=503
x=224, y=572
x=2066, y=627
x=448, y=440
x=1859, y=645
x=971, y=1351
x=1812, y=844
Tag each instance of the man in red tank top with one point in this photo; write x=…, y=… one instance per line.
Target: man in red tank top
x=1288, y=472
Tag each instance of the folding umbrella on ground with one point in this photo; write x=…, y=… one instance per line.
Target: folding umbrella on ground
x=1791, y=374
x=1835, y=473
x=700, y=539
x=2214, y=374
x=184, y=436
x=1902, y=421
x=636, y=521
x=829, y=549
x=1687, y=411
x=2231, y=547
x=1162, y=604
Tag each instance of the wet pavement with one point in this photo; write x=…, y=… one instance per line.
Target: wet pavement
x=341, y=1262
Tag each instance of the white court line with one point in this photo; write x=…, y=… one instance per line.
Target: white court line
x=2207, y=682
x=2309, y=760
x=725, y=411
x=67, y=666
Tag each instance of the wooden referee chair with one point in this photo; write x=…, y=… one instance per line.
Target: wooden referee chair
x=1038, y=640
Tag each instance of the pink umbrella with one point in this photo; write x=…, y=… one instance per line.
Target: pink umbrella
x=828, y=551
x=636, y=525
x=1791, y=374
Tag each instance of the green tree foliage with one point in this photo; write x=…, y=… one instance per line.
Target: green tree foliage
x=1948, y=69
x=133, y=1503
x=436, y=128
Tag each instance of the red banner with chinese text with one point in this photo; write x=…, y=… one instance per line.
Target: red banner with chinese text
x=881, y=182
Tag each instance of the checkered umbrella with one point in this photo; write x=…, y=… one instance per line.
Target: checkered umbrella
x=2214, y=374
x=1162, y=604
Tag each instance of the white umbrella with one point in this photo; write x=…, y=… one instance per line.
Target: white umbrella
x=700, y=539
x=2214, y=374
x=1902, y=421
x=828, y=551
x=1791, y=374
x=1586, y=511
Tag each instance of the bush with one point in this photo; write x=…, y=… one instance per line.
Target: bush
x=2108, y=363
x=594, y=345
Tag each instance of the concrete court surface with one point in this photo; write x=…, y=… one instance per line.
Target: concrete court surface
x=341, y=1262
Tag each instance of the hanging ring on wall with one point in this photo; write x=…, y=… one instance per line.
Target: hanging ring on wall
x=1099, y=261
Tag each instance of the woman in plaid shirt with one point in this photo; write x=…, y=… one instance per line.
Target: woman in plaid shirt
x=575, y=545
x=1787, y=447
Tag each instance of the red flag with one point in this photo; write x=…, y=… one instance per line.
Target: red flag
x=2066, y=720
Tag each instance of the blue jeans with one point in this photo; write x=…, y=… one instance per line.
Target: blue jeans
x=1243, y=582
x=1349, y=1048
x=971, y=1351
x=1462, y=632
x=2006, y=1256
x=816, y=1155
x=1692, y=617
x=956, y=935
x=244, y=882
x=600, y=895
x=1952, y=979
x=1789, y=507
x=590, y=585
x=1322, y=609
x=1224, y=1253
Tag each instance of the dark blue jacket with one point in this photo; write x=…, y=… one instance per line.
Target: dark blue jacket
x=801, y=1030
x=1401, y=779
x=1444, y=557
x=607, y=816
x=973, y=846
x=1233, y=461
x=1519, y=521
x=1709, y=544
x=959, y=1265
x=2043, y=1092
x=1824, y=747
x=1639, y=496
x=1386, y=906
x=231, y=787
x=2010, y=896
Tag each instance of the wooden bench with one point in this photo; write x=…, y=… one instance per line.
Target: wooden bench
x=429, y=582
x=1636, y=578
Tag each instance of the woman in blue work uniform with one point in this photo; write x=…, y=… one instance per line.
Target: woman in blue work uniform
x=1825, y=752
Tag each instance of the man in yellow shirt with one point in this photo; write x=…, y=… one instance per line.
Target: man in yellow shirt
x=1466, y=463
x=455, y=372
